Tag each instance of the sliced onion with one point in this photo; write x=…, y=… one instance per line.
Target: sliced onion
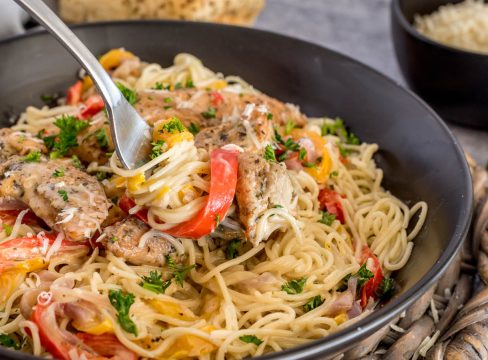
x=355, y=310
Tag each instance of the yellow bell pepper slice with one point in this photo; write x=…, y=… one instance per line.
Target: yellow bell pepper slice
x=190, y=346
x=99, y=328
x=171, y=131
x=173, y=310
x=341, y=318
x=134, y=182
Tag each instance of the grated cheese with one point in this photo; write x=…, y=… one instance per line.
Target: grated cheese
x=67, y=215
x=18, y=222
x=55, y=246
x=248, y=110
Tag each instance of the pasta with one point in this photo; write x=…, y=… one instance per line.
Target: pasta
x=315, y=258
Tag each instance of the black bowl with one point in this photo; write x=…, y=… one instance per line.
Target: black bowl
x=452, y=81
x=420, y=157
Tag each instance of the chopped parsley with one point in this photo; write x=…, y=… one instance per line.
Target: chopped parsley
x=338, y=128
x=168, y=100
x=155, y=283
x=8, y=229
x=210, y=113
x=178, y=86
x=9, y=341
x=50, y=99
x=301, y=154
x=269, y=153
x=61, y=143
x=76, y=162
x=334, y=173
x=386, y=289
x=166, y=107
x=289, y=144
x=269, y=116
x=189, y=84
x=217, y=220
x=173, y=126
x=101, y=175
x=342, y=150
x=327, y=218
x=314, y=302
x=122, y=303
x=63, y=194
x=294, y=286
x=113, y=239
x=289, y=126
x=309, y=164
x=160, y=86
x=33, y=156
x=251, y=339
x=179, y=272
x=194, y=128
x=157, y=149
x=130, y=95
x=58, y=172
x=102, y=138
x=363, y=275
x=232, y=249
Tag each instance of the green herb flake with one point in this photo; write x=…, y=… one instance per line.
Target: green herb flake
x=102, y=138
x=314, y=303
x=8, y=229
x=130, y=95
x=194, y=128
x=113, y=239
x=217, y=220
x=251, y=339
x=309, y=164
x=168, y=100
x=295, y=286
x=232, y=249
x=122, y=303
x=302, y=154
x=327, y=218
x=61, y=143
x=334, y=173
x=178, y=86
x=269, y=116
x=101, y=175
x=269, y=153
x=155, y=283
x=342, y=150
x=157, y=149
x=9, y=341
x=278, y=206
x=33, y=156
x=210, y=113
x=337, y=128
x=58, y=172
x=386, y=289
x=180, y=272
x=76, y=162
x=173, y=126
x=63, y=194
x=289, y=126
x=189, y=84
x=160, y=86
x=363, y=274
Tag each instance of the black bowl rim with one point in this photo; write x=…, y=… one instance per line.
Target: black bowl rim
x=380, y=317
x=408, y=26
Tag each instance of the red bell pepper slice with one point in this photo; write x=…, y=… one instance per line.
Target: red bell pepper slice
x=217, y=98
x=223, y=181
x=371, y=286
x=9, y=217
x=93, y=105
x=330, y=200
x=126, y=203
x=73, y=96
x=107, y=345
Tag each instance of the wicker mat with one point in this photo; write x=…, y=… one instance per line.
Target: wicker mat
x=450, y=321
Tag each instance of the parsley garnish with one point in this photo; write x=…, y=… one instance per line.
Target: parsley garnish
x=342, y=150
x=33, y=156
x=113, y=239
x=363, y=274
x=155, y=283
x=194, y=128
x=210, y=113
x=178, y=86
x=251, y=339
x=334, y=173
x=160, y=86
x=386, y=289
x=269, y=116
x=58, y=172
x=179, y=272
x=8, y=341
x=129, y=94
x=61, y=143
x=327, y=218
x=289, y=144
x=189, y=84
x=8, y=229
x=269, y=153
x=290, y=125
x=302, y=154
x=232, y=249
x=338, y=128
x=101, y=175
x=314, y=302
x=76, y=162
x=102, y=138
x=63, y=194
x=167, y=100
x=294, y=286
x=278, y=206
x=122, y=303
x=157, y=149
x=173, y=126
x=309, y=165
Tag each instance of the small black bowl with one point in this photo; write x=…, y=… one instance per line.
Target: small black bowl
x=452, y=81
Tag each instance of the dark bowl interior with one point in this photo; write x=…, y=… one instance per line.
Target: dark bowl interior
x=419, y=156
x=452, y=81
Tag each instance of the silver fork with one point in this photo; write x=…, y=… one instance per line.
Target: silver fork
x=130, y=133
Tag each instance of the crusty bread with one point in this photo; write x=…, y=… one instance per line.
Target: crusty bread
x=240, y=12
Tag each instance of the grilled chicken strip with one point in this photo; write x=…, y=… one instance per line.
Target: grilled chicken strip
x=73, y=202
x=123, y=240
x=261, y=185
x=94, y=143
x=18, y=143
x=195, y=106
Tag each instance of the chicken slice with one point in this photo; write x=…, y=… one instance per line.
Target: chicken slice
x=123, y=240
x=94, y=143
x=18, y=143
x=261, y=185
x=72, y=202
x=192, y=106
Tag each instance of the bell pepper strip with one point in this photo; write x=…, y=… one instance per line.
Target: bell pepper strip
x=217, y=98
x=126, y=203
x=73, y=96
x=93, y=105
x=223, y=181
x=107, y=345
x=109, y=61
x=370, y=288
x=330, y=201
x=9, y=217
